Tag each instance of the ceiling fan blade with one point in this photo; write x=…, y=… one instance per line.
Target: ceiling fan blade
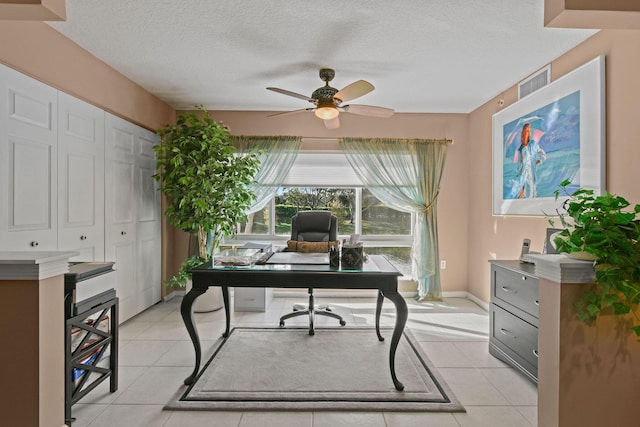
x=288, y=92
x=354, y=90
x=368, y=110
x=332, y=123
x=291, y=112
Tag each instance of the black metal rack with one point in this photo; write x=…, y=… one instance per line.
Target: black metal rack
x=85, y=363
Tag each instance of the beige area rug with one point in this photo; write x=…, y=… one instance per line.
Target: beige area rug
x=336, y=369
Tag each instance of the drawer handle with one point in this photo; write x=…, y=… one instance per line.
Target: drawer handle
x=123, y=233
x=524, y=277
x=83, y=237
x=535, y=353
x=507, y=333
x=537, y=302
x=34, y=244
x=509, y=290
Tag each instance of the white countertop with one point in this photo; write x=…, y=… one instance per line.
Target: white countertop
x=28, y=257
x=33, y=265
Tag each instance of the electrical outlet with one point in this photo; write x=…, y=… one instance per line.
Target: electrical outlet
x=443, y=264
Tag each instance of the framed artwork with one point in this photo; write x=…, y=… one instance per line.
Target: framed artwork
x=553, y=134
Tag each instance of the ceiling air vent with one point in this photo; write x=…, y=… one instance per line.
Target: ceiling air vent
x=534, y=82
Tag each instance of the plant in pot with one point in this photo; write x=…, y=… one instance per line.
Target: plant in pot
x=206, y=184
x=605, y=229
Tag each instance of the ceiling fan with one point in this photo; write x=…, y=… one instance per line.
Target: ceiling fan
x=328, y=100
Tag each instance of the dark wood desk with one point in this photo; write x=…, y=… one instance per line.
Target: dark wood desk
x=377, y=273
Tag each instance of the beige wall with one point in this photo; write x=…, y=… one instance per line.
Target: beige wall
x=500, y=237
x=592, y=14
x=578, y=359
x=36, y=49
x=452, y=204
x=33, y=10
x=32, y=359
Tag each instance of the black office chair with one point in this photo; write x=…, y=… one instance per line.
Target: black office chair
x=312, y=226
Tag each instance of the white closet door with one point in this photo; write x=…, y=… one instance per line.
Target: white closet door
x=120, y=209
x=148, y=231
x=132, y=209
x=28, y=163
x=80, y=178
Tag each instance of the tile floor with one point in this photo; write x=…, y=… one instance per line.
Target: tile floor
x=156, y=355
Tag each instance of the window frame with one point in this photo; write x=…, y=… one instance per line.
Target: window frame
x=372, y=240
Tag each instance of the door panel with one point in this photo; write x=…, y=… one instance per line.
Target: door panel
x=133, y=214
x=120, y=238
x=122, y=195
x=29, y=190
x=148, y=222
x=28, y=163
x=123, y=253
x=81, y=178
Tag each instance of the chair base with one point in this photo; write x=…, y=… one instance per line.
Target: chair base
x=311, y=311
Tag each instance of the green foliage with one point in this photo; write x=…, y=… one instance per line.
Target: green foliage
x=183, y=274
x=206, y=183
x=603, y=227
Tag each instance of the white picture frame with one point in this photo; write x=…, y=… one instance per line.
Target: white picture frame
x=566, y=141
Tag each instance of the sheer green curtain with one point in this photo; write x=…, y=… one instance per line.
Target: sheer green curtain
x=276, y=155
x=405, y=174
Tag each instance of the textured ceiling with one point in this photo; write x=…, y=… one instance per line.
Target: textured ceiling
x=421, y=55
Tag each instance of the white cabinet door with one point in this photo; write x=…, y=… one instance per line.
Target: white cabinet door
x=148, y=227
x=120, y=209
x=28, y=163
x=132, y=215
x=80, y=178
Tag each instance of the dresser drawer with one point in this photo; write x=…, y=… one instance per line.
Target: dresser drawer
x=514, y=333
x=518, y=289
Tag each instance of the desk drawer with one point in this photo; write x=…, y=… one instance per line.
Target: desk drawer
x=518, y=289
x=517, y=335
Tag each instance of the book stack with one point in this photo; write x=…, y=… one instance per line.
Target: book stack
x=562, y=269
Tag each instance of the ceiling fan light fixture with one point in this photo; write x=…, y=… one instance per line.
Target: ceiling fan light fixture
x=328, y=100
x=326, y=109
x=327, y=113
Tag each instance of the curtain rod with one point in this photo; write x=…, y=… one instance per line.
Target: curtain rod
x=326, y=138
x=334, y=138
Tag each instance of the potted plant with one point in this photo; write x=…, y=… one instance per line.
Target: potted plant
x=205, y=182
x=608, y=230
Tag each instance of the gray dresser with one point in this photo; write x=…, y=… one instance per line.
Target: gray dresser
x=514, y=316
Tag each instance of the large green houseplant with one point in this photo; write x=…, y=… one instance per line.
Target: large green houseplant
x=206, y=183
x=608, y=229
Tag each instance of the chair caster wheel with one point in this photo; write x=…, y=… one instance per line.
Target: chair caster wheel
x=282, y=324
x=342, y=323
x=312, y=332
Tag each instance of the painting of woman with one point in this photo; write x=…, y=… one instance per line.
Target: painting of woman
x=529, y=155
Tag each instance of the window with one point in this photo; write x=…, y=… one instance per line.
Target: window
x=326, y=181
x=379, y=219
x=383, y=230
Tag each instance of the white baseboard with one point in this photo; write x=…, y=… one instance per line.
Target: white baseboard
x=471, y=297
x=173, y=295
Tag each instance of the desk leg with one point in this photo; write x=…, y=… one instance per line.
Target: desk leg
x=401, y=320
x=186, y=309
x=227, y=310
x=378, y=312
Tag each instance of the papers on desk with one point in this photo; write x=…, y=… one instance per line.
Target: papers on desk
x=299, y=258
